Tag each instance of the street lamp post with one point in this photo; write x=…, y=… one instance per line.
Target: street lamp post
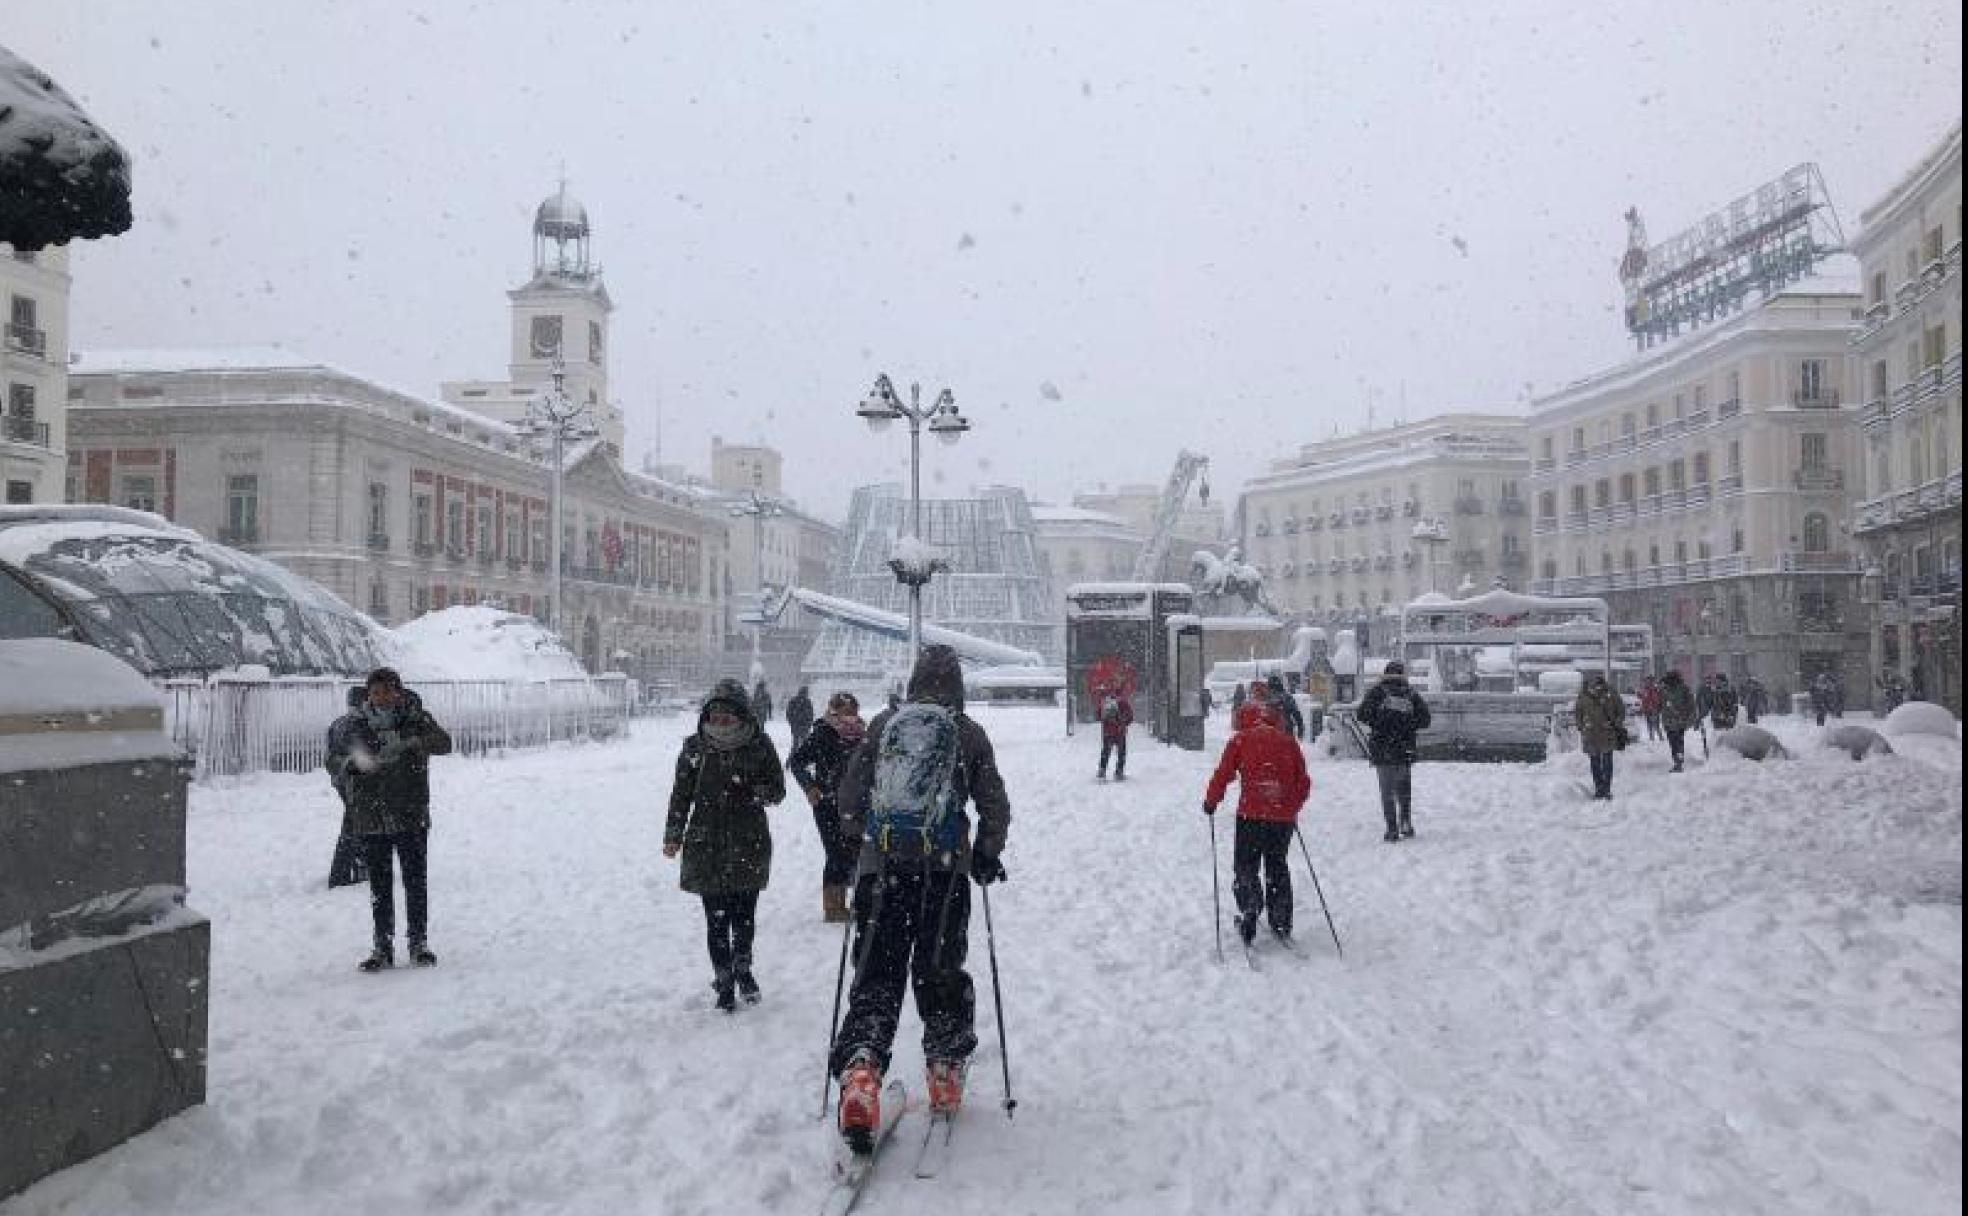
x=913, y=569
x=758, y=509
x=555, y=416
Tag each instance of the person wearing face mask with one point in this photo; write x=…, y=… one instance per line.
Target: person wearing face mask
x=726, y=775
x=816, y=764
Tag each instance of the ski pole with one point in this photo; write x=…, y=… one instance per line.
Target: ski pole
x=833, y=1022
x=1216, y=889
x=997, y=998
x=1323, y=907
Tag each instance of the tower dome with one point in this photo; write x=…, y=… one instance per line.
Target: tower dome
x=561, y=217
x=560, y=237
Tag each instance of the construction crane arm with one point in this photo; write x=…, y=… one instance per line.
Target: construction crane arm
x=1168, y=513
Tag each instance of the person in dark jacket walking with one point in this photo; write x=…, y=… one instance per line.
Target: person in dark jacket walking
x=347, y=869
x=1269, y=768
x=1755, y=699
x=1394, y=713
x=799, y=715
x=726, y=775
x=386, y=766
x=1601, y=717
x=1277, y=694
x=1821, y=696
x=1722, y=703
x=817, y=764
x=1116, y=715
x=1237, y=698
x=761, y=701
x=912, y=909
x=1679, y=714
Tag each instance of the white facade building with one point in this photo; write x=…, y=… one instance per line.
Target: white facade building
x=1909, y=362
x=1084, y=546
x=34, y=373
x=1333, y=529
x=1703, y=487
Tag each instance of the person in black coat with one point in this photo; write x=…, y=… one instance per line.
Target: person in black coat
x=1394, y=713
x=348, y=868
x=799, y=715
x=1287, y=706
x=817, y=764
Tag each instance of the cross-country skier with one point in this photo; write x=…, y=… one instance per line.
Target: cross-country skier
x=726, y=775
x=903, y=794
x=1116, y=715
x=1269, y=768
x=1394, y=713
x=817, y=764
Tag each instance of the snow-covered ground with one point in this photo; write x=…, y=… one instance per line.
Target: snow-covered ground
x=1732, y=991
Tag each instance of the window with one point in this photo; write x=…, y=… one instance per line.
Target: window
x=1578, y=439
x=1629, y=560
x=20, y=402
x=242, y=508
x=140, y=492
x=1735, y=457
x=1817, y=533
x=1602, y=493
x=423, y=520
x=594, y=343
x=544, y=337
x=1701, y=468
x=1879, y=379
x=24, y=314
x=1677, y=474
x=1681, y=552
x=454, y=525
x=1548, y=505
x=378, y=511
x=19, y=492
x=1627, y=488
x=1737, y=542
x=1545, y=448
x=1735, y=386
x=379, y=600
x=1549, y=570
x=1653, y=415
x=1701, y=397
x=1627, y=425
x=1879, y=287
x=1653, y=553
x=1578, y=500
x=487, y=546
x=516, y=541
x=1652, y=480
x=1811, y=380
x=1817, y=452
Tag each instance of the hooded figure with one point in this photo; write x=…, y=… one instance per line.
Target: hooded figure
x=1600, y=714
x=1679, y=713
x=816, y=764
x=726, y=775
x=799, y=715
x=1277, y=694
x=1394, y=714
x=1722, y=703
x=912, y=901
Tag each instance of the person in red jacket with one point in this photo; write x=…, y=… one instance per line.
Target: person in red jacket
x=1273, y=785
x=1116, y=715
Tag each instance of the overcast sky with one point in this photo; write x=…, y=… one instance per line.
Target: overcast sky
x=1233, y=227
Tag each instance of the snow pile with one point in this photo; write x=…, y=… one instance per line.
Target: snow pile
x=1857, y=741
x=1921, y=718
x=477, y=642
x=916, y=560
x=1752, y=743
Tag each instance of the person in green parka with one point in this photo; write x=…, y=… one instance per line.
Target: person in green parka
x=726, y=776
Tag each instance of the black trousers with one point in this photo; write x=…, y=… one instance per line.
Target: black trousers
x=730, y=917
x=1262, y=843
x=347, y=868
x=1602, y=773
x=1677, y=745
x=1116, y=748
x=1396, y=794
x=841, y=849
x=1653, y=726
x=379, y=853
x=912, y=930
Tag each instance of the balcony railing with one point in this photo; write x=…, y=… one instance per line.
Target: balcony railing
x=28, y=340
x=515, y=562
x=1510, y=506
x=1728, y=409
x=26, y=430
x=1575, y=456
x=1468, y=505
x=1514, y=559
x=379, y=542
x=240, y=536
x=1796, y=561
x=1823, y=399
x=1575, y=521
x=1818, y=481
x=1545, y=525
x=1384, y=511
x=1927, y=383
x=1697, y=420
x=1547, y=464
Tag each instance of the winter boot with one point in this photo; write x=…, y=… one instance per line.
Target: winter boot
x=945, y=1083
x=1393, y=830
x=420, y=954
x=748, y=988
x=1407, y=827
x=382, y=958
x=722, y=985
x=1247, y=927
x=859, y=1113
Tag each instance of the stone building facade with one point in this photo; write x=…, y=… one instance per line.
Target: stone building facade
x=1703, y=488
x=33, y=373
x=1908, y=351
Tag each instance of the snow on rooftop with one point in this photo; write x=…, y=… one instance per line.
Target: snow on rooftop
x=169, y=360
x=1046, y=514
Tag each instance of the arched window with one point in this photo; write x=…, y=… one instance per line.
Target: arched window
x=1817, y=533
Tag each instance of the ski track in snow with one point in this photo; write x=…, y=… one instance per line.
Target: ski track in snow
x=1732, y=991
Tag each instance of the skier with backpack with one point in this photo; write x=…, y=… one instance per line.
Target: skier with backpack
x=1116, y=715
x=1269, y=768
x=903, y=794
x=726, y=775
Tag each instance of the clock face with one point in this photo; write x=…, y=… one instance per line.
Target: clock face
x=546, y=337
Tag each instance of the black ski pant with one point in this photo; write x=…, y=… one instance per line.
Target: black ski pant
x=1602, y=774
x=729, y=919
x=1117, y=748
x=1677, y=745
x=912, y=930
x=379, y=853
x=841, y=849
x=1267, y=844
x=1396, y=795
x=347, y=868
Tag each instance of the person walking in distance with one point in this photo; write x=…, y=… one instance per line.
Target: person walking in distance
x=1755, y=699
x=817, y=764
x=1269, y=768
x=1679, y=713
x=1116, y=715
x=1650, y=707
x=903, y=795
x=761, y=703
x=1722, y=703
x=1600, y=714
x=1394, y=714
x=386, y=766
x=799, y=715
x=347, y=868
x=726, y=775
x=1287, y=705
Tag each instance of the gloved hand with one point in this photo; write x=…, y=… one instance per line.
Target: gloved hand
x=1209, y=808
x=987, y=869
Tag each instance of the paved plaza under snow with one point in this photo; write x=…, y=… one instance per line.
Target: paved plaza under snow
x=1732, y=991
